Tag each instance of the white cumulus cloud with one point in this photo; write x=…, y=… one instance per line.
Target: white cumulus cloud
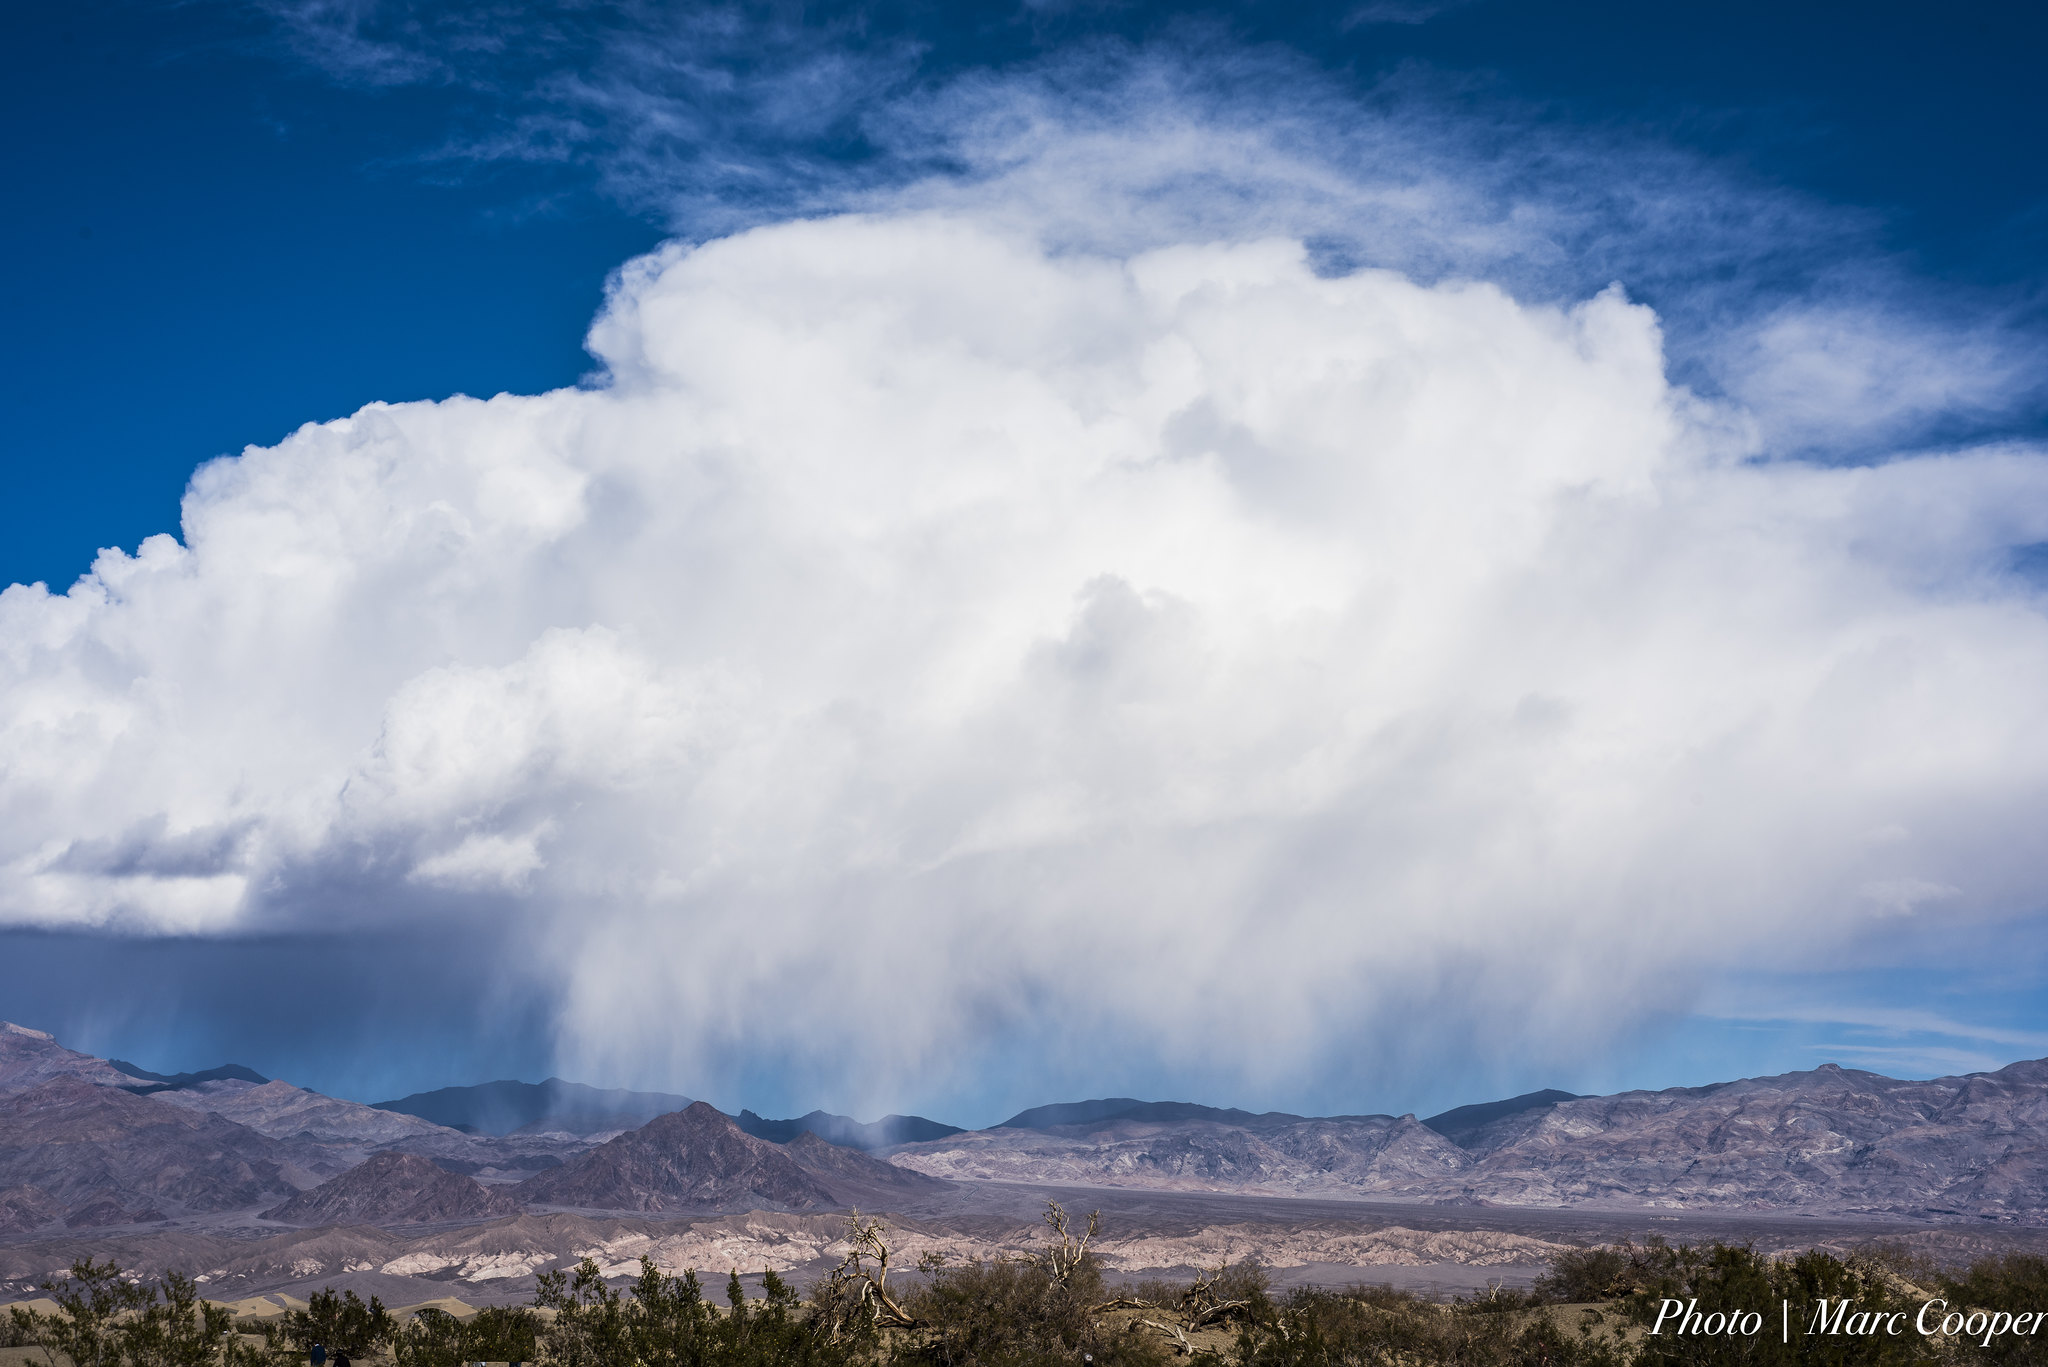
x=931, y=651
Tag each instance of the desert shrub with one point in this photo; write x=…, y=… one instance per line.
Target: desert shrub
x=1587, y=1274
x=2012, y=1281
x=435, y=1338
x=17, y=1328
x=1724, y=1278
x=2015, y=1282
x=1152, y=1291
x=1013, y=1312
x=1240, y=1283
x=342, y=1323
x=180, y=1330
x=503, y=1333
x=104, y=1318
x=665, y=1321
x=91, y=1303
x=432, y=1338
x=591, y=1326
x=1042, y=1309
x=1500, y=1300
x=1380, y=1326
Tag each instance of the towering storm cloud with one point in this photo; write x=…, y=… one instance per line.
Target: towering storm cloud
x=928, y=649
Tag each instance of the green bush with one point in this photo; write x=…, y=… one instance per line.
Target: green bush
x=342, y=1324
x=1052, y=1309
x=106, y=1319
x=435, y=1338
x=664, y=1321
x=1013, y=1312
x=2014, y=1282
x=1588, y=1274
x=1376, y=1325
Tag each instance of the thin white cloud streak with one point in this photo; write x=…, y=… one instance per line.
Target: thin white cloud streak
x=1896, y=1021
x=1401, y=12
x=715, y=118
x=933, y=648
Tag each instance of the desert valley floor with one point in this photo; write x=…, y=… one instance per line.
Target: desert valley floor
x=1328, y=1242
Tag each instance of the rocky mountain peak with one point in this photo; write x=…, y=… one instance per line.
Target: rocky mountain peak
x=698, y=1159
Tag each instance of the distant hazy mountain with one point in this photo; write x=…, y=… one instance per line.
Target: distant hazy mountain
x=501, y=1108
x=283, y=1111
x=1833, y=1140
x=1160, y=1146
x=175, y=1082
x=80, y=1150
x=886, y=1133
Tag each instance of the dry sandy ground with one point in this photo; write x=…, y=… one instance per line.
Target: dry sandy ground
x=1444, y=1249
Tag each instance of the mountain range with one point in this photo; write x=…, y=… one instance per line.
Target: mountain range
x=79, y=1148
x=86, y=1145
x=558, y=1107
x=1832, y=1140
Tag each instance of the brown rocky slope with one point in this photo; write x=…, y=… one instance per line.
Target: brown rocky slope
x=396, y=1189
x=1833, y=1139
x=108, y=1157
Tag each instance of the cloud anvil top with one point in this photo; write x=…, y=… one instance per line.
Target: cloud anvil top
x=1107, y=643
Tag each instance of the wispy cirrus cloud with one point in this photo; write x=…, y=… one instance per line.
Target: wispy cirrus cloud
x=714, y=118
x=1402, y=11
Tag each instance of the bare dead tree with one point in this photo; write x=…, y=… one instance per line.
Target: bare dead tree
x=1064, y=1254
x=1204, y=1306
x=863, y=1276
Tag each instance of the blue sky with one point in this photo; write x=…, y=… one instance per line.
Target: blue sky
x=227, y=220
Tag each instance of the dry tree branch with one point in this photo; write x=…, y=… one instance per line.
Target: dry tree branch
x=1218, y=1313
x=865, y=1244
x=1202, y=1308
x=1066, y=1255
x=1173, y=1331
